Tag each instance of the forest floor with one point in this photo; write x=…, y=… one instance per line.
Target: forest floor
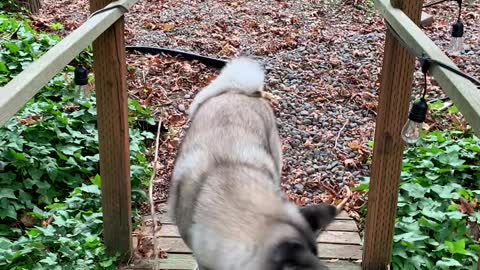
x=323, y=62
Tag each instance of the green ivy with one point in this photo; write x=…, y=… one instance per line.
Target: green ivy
x=431, y=231
x=71, y=239
x=50, y=207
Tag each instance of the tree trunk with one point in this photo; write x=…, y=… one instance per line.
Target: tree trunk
x=31, y=5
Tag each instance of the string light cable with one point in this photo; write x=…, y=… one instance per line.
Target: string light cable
x=434, y=3
x=431, y=60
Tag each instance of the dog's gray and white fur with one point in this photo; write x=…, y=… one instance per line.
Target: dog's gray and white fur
x=225, y=194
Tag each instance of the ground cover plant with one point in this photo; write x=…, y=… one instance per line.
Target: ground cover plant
x=438, y=218
x=50, y=207
x=437, y=225
x=323, y=60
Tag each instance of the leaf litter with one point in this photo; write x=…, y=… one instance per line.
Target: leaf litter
x=323, y=63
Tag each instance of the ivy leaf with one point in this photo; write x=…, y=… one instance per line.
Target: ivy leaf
x=7, y=178
x=451, y=159
x=453, y=109
x=106, y=263
x=438, y=215
x=446, y=191
x=51, y=259
x=447, y=263
x=5, y=243
x=90, y=189
x=3, y=68
x=457, y=247
x=97, y=181
x=69, y=150
x=414, y=190
x=7, y=193
x=409, y=237
x=8, y=211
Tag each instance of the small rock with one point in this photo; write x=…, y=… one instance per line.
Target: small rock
x=181, y=107
x=310, y=170
x=332, y=165
x=299, y=188
x=304, y=112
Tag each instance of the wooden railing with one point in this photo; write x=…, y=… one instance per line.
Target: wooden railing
x=395, y=92
x=105, y=30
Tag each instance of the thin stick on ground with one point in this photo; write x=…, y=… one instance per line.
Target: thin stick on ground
x=150, y=196
x=340, y=132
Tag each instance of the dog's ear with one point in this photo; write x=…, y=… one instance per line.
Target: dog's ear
x=319, y=216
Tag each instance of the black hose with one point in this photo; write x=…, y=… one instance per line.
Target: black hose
x=209, y=61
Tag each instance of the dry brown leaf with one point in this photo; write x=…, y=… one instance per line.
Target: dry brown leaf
x=334, y=61
x=32, y=119
x=465, y=207
x=167, y=27
x=355, y=145
x=350, y=163
x=308, y=143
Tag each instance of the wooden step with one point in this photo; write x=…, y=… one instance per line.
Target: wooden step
x=339, y=246
x=186, y=261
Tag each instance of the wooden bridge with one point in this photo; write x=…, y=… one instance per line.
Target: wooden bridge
x=340, y=244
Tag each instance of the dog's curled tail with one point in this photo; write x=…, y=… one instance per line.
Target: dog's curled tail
x=241, y=75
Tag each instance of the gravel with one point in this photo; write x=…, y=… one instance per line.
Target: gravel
x=322, y=61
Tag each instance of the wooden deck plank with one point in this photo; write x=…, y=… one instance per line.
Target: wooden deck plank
x=165, y=218
x=338, y=246
x=184, y=262
x=336, y=237
x=332, y=237
x=326, y=250
x=170, y=230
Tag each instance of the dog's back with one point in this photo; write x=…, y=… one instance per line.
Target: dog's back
x=233, y=134
x=225, y=195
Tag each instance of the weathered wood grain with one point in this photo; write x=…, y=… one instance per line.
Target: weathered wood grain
x=463, y=93
x=170, y=230
x=326, y=250
x=109, y=63
x=25, y=85
x=185, y=261
x=395, y=92
x=165, y=218
x=334, y=237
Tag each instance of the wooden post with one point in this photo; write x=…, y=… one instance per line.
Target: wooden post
x=395, y=91
x=112, y=106
x=31, y=5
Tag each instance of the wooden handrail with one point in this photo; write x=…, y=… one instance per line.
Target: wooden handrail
x=463, y=93
x=25, y=85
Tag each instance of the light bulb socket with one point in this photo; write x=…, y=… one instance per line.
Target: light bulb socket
x=425, y=62
x=80, y=75
x=419, y=110
x=457, y=29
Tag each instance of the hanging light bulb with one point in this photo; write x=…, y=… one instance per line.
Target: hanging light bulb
x=456, y=43
x=412, y=130
x=81, y=79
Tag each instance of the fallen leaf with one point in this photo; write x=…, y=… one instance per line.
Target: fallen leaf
x=334, y=61
x=167, y=27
